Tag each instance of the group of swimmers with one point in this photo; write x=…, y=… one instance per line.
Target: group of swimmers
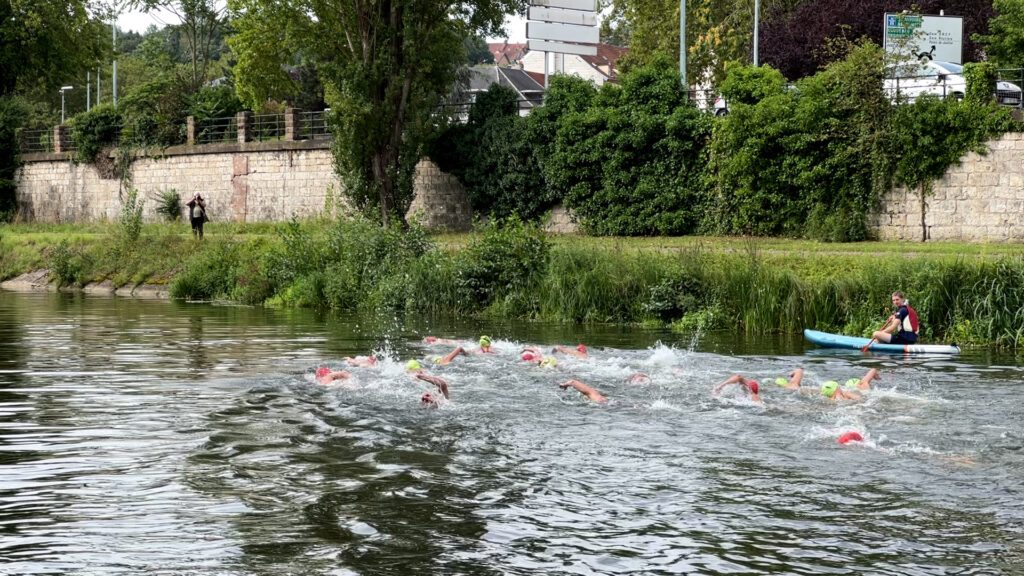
x=851, y=390
x=831, y=389
x=434, y=399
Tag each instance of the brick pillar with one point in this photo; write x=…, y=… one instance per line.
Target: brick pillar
x=292, y=128
x=190, y=123
x=244, y=120
x=61, y=138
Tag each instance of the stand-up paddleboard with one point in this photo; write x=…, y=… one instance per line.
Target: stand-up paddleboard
x=827, y=340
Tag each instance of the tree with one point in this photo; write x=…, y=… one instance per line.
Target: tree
x=477, y=51
x=384, y=64
x=201, y=23
x=717, y=32
x=1005, y=42
x=43, y=43
x=792, y=37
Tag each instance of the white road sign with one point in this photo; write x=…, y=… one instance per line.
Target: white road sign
x=578, y=17
x=562, y=48
x=935, y=37
x=562, y=32
x=588, y=5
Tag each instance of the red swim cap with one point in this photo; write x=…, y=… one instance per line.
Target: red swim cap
x=582, y=348
x=851, y=436
x=751, y=385
x=322, y=371
x=529, y=356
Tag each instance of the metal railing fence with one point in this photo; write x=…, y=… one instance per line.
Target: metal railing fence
x=267, y=127
x=314, y=125
x=217, y=130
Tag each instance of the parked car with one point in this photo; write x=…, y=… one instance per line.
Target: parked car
x=908, y=80
x=721, y=108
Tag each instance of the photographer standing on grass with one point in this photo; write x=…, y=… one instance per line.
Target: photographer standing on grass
x=197, y=214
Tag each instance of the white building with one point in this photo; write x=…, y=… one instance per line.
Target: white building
x=598, y=69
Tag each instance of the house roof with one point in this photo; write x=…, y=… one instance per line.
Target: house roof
x=538, y=77
x=482, y=76
x=506, y=53
x=607, y=58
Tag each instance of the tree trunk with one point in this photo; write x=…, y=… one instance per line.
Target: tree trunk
x=924, y=207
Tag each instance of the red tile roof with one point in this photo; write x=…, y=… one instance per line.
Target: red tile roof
x=608, y=56
x=505, y=53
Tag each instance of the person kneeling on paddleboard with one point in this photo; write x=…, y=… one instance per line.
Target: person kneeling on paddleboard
x=902, y=326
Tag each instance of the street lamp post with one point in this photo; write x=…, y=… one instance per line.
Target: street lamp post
x=63, y=89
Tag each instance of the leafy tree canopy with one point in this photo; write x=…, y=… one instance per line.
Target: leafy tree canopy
x=384, y=66
x=44, y=42
x=1005, y=42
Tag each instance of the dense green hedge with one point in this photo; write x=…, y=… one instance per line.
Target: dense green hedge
x=95, y=130
x=805, y=160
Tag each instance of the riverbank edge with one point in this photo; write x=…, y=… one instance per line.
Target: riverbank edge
x=42, y=281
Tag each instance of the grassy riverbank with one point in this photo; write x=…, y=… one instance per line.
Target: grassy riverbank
x=969, y=293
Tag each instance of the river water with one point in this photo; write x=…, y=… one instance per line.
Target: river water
x=151, y=437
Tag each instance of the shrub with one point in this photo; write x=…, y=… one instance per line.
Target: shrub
x=981, y=80
x=633, y=163
x=506, y=259
x=494, y=158
x=169, y=205
x=803, y=162
x=209, y=272
x=751, y=84
x=214, y=102
x=130, y=222
x=154, y=113
x=69, y=264
x=95, y=130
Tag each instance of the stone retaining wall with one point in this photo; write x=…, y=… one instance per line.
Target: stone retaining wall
x=440, y=201
x=248, y=182
x=981, y=199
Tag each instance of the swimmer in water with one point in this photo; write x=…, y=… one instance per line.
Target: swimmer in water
x=532, y=355
x=587, y=391
x=447, y=358
x=580, y=351
x=429, y=399
x=749, y=385
x=436, y=340
x=325, y=376
x=361, y=361
x=834, y=392
x=639, y=378
x=485, y=346
x=846, y=392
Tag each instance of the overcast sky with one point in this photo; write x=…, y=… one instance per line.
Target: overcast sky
x=138, y=22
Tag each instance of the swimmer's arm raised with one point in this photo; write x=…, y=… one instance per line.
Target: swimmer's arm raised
x=442, y=385
x=582, y=388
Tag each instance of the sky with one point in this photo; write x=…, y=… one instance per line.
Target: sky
x=138, y=22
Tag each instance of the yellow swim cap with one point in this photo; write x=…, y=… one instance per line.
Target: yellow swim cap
x=549, y=362
x=413, y=365
x=780, y=381
x=828, y=389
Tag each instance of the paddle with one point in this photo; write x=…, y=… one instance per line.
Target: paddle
x=875, y=340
